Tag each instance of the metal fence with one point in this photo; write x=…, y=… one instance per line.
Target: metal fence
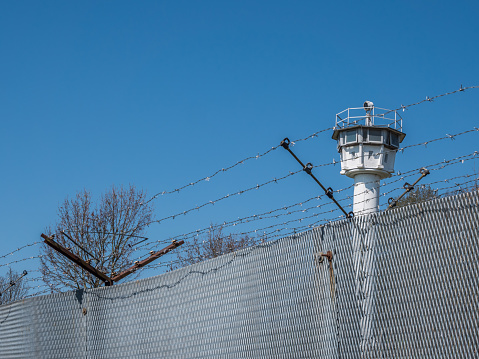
x=401, y=284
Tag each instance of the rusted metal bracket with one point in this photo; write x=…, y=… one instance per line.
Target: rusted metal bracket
x=328, y=255
x=408, y=188
x=150, y=259
x=332, y=280
x=102, y=276
x=308, y=168
x=74, y=258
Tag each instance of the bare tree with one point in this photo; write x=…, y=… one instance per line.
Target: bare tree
x=214, y=244
x=105, y=231
x=12, y=287
x=418, y=194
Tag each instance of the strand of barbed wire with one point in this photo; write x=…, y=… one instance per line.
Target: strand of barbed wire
x=401, y=149
x=402, y=107
x=295, y=230
x=169, y=264
x=197, y=233
x=280, y=231
x=315, y=134
x=45, y=291
x=276, y=233
x=20, y=248
x=431, y=99
x=269, y=235
x=442, y=164
x=276, y=180
x=255, y=231
x=424, y=184
x=268, y=214
x=208, y=178
x=212, y=202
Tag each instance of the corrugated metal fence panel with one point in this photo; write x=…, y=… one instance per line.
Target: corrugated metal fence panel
x=58, y=326
x=427, y=280
x=338, y=237
x=259, y=302
x=15, y=330
x=402, y=284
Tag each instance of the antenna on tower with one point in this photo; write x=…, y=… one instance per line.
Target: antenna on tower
x=368, y=107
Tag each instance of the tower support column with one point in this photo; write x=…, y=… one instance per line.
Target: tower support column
x=366, y=193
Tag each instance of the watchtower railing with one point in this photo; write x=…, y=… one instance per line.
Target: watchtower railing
x=377, y=116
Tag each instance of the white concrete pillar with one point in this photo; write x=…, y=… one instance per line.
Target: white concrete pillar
x=366, y=193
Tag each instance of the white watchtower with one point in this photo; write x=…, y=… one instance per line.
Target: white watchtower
x=368, y=143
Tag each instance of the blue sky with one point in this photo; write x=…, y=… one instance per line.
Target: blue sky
x=159, y=94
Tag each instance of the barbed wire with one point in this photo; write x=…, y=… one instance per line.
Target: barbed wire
x=254, y=217
x=401, y=149
x=192, y=234
x=317, y=223
x=194, y=270
x=45, y=291
x=279, y=232
x=431, y=99
x=275, y=180
x=268, y=214
x=247, y=219
x=225, y=169
x=212, y=202
x=20, y=260
x=19, y=249
x=424, y=184
x=443, y=164
x=315, y=134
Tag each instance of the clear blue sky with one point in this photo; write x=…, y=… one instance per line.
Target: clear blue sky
x=161, y=93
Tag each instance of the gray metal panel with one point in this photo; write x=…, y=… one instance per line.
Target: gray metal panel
x=238, y=305
x=15, y=330
x=58, y=326
x=403, y=284
x=427, y=280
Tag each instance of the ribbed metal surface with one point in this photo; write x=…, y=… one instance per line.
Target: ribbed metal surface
x=402, y=284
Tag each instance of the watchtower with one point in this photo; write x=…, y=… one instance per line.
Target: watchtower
x=368, y=139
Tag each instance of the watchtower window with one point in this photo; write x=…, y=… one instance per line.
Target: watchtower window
x=351, y=136
x=394, y=140
x=375, y=135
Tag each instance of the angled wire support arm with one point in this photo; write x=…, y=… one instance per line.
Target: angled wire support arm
x=151, y=258
x=408, y=188
x=14, y=282
x=307, y=168
x=102, y=276
x=77, y=260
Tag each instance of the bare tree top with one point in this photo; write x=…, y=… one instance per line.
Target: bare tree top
x=103, y=231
